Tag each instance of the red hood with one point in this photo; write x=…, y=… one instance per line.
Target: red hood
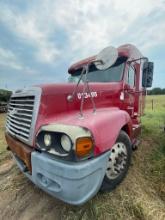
x=62, y=88
x=54, y=100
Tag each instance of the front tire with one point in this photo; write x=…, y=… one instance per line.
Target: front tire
x=118, y=163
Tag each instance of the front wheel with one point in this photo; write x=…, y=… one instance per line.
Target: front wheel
x=118, y=163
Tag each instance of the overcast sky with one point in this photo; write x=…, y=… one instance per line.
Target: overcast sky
x=40, y=39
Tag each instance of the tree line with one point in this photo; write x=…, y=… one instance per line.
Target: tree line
x=156, y=91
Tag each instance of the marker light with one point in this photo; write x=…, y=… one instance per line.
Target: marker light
x=47, y=140
x=84, y=146
x=66, y=143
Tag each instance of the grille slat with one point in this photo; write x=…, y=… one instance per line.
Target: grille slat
x=20, y=119
x=22, y=105
x=20, y=114
x=19, y=128
x=20, y=109
x=23, y=115
x=16, y=132
x=23, y=100
x=18, y=123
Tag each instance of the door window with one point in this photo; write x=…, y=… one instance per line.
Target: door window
x=131, y=77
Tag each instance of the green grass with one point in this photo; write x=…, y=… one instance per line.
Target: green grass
x=154, y=130
x=154, y=119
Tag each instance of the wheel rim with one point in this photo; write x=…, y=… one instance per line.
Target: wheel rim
x=117, y=161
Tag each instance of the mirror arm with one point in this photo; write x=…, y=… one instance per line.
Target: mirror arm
x=86, y=87
x=71, y=97
x=98, y=62
x=139, y=59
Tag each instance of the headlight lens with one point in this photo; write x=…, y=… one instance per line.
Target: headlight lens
x=66, y=143
x=47, y=140
x=54, y=142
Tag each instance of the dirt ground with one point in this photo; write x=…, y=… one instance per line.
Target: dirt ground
x=135, y=198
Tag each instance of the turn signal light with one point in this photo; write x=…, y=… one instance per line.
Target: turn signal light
x=84, y=146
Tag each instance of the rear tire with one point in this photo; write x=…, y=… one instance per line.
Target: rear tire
x=118, y=163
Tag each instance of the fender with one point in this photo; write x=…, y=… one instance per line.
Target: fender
x=104, y=125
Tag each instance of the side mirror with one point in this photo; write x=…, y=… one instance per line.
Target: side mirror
x=147, y=77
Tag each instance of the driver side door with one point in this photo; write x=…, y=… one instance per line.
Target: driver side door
x=129, y=89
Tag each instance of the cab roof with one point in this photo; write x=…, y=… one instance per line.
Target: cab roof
x=126, y=50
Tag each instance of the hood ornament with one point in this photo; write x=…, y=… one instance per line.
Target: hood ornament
x=13, y=111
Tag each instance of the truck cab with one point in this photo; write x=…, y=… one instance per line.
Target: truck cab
x=76, y=138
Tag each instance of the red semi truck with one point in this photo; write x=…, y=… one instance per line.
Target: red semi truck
x=76, y=138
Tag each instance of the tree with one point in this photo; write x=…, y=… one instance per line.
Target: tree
x=5, y=95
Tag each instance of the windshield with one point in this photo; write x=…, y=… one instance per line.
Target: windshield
x=112, y=74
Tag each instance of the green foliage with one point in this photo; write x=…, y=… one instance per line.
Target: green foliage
x=5, y=95
x=156, y=91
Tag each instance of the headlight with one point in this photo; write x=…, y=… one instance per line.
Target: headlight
x=47, y=140
x=66, y=143
x=54, y=142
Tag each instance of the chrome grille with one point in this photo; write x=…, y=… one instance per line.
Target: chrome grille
x=22, y=114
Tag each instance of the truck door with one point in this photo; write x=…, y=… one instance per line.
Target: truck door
x=130, y=89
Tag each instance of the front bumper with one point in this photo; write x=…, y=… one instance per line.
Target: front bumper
x=72, y=182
